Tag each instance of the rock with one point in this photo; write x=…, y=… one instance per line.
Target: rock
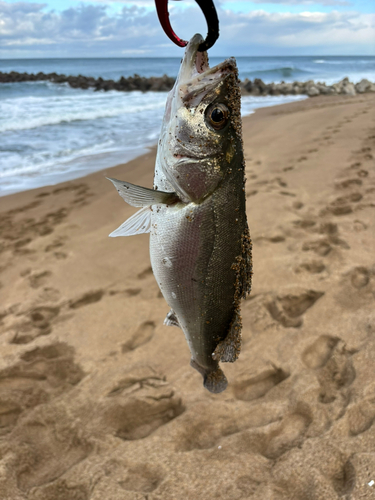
x=363, y=86
x=344, y=87
x=323, y=89
x=273, y=89
x=312, y=91
x=285, y=88
x=263, y=88
x=349, y=89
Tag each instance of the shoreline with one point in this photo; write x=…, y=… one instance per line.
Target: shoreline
x=81, y=166
x=97, y=396
x=283, y=108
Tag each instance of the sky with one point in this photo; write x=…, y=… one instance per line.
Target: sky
x=130, y=28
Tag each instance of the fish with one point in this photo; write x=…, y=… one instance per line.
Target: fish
x=200, y=245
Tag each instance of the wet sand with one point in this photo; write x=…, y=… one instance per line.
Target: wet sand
x=97, y=398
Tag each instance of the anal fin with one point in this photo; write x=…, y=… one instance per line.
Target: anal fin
x=171, y=319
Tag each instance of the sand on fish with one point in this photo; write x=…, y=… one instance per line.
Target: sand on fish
x=97, y=398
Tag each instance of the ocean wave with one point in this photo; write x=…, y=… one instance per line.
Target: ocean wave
x=285, y=72
x=32, y=112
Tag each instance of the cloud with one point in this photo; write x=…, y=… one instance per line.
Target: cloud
x=327, y=3
x=30, y=30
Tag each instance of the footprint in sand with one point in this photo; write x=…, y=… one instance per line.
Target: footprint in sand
x=288, y=309
x=357, y=288
x=359, y=226
x=129, y=292
x=319, y=468
x=304, y=223
x=318, y=353
x=145, y=273
x=141, y=478
x=360, y=277
x=210, y=424
x=39, y=279
x=313, y=267
x=61, y=489
x=40, y=375
x=248, y=387
x=297, y=205
x=361, y=416
x=336, y=375
x=281, y=182
x=58, y=243
x=138, y=404
x=341, y=205
x=53, y=444
x=321, y=247
x=86, y=299
x=287, y=193
x=362, y=173
x=38, y=322
x=348, y=183
x=143, y=334
x=60, y=255
x=289, y=434
x=49, y=294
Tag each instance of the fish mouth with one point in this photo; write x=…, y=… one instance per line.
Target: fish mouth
x=188, y=158
x=195, y=74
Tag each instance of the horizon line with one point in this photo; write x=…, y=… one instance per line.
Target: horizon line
x=178, y=57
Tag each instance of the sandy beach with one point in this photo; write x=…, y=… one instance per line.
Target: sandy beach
x=97, y=398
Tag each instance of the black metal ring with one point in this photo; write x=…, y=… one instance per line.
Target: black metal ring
x=210, y=14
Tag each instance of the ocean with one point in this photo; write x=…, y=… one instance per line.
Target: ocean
x=50, y=132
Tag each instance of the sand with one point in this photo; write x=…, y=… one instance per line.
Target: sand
x=97, y=398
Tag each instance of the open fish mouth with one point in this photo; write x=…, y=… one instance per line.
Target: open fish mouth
x=195, y=74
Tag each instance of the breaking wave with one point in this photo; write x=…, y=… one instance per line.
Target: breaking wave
x=32, y=112
x=276, y=74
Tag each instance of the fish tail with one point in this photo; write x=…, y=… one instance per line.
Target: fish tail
x=213, y=380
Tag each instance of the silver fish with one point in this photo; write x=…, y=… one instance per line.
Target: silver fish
x=200, y=244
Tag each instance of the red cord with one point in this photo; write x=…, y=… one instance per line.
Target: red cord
x=163, y=14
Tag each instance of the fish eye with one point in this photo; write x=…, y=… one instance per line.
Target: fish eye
x=217, y=116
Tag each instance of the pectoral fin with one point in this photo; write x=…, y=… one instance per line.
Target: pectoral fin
x=138, y=196
x=138, y=223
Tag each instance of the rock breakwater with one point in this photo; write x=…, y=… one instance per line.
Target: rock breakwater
x=135, y=82
x=164, y=83
x=310, y=88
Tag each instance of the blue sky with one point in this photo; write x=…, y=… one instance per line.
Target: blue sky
x=126, y=28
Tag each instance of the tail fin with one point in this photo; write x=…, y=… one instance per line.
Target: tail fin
x=214, y=381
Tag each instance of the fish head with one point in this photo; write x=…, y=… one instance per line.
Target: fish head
x=201, y=133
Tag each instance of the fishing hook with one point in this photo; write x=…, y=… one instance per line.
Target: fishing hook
x=210, y=14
